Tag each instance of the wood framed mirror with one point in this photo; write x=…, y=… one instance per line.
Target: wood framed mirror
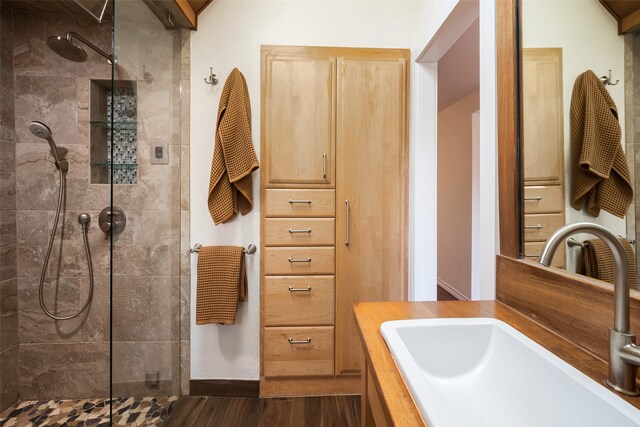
x=576, y=307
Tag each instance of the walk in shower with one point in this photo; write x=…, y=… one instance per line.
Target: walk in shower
x=93, y=213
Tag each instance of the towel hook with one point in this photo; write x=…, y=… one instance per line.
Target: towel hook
x=212, y=79
x=606, y=80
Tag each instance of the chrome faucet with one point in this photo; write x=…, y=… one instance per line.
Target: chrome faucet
x=624, y=354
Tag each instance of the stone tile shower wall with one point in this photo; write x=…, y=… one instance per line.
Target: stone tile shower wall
x=70, y=359
x=8, y=260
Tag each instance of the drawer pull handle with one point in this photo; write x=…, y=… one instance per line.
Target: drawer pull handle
x=536, y=198
x=292, y=201
x=292, y=289
x=300, y=260
x=534, y=227
x=302, y=230
x=292, y=341
x=532, y=255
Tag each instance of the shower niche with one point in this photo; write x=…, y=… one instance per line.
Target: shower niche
x=113, y=132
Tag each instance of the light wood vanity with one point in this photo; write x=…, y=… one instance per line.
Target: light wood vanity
x=386, y=400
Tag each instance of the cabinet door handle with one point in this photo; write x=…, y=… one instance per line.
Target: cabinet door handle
x=292, y=341
x=536, y=198
x=308, y=202
x=292, y=289
x=302, y=230
x=534, y=227
x=300, y=260
x=324, y=165
x=346, y=239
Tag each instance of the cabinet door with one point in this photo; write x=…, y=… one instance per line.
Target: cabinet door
x=371, y=170
x=543, y=126
x=298, y=126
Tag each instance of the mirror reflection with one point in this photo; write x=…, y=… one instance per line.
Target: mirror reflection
x=579, y=127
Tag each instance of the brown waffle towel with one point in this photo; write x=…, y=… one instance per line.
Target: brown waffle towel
x=596, y=261
x=230, y=186
x=599, y=172
x=222, y=282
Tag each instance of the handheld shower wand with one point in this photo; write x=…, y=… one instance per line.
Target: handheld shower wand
x=41, y=130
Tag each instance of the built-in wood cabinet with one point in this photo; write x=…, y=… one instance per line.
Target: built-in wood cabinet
x=334, y=212
x=298, y=115
x=370, y=189
x=543, y=149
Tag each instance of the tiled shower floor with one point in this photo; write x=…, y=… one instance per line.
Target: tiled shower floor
x=143, y=411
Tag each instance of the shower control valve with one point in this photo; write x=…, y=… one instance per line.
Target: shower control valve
x=112, y=221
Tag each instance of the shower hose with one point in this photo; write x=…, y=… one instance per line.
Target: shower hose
x=84, y=220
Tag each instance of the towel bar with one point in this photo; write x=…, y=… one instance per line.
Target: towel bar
x=250, y=250
x=574, y=243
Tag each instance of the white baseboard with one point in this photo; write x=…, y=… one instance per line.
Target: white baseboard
x=453, y=291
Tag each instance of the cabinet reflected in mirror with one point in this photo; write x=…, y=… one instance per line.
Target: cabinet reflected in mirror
x=576, y=146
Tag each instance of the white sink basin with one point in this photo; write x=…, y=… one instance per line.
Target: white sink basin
x=482, y=372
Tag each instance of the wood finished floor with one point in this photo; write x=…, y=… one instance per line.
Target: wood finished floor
x=325, y=411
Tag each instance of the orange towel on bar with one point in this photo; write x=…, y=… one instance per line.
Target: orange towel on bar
x=230, y=185
x=596, y=260
x=222, y=282
x=600, y=176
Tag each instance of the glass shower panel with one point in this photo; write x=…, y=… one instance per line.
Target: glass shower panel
x=142, y=163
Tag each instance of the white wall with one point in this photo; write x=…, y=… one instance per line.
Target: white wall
x=449, y=20
x=229, y=35
x=588, y=36
x=455, y=195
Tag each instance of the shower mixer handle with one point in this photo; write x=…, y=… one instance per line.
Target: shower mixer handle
x=112, y=219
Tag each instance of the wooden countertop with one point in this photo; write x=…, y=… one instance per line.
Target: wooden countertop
x=401, y=410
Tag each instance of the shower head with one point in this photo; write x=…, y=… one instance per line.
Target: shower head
x=41, y=130
x=65, y=47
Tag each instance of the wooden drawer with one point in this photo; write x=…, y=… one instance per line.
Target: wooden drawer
x=295, y=261
x=538, y=227
x=300, y=203
x=543, y=198
x=299, y=300
x=532, y=251
x=299, y=232
x=285, y=359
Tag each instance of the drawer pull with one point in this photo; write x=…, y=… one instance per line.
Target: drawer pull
x=534, y=227
x=532, y=255
x=302, y=230
x=292, y=201
x=292, y=289
x=534, y=198
x=300, y=260
x=292, y=341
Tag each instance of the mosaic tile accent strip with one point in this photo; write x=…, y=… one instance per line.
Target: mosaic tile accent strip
x=127, y=411
x=125, y=132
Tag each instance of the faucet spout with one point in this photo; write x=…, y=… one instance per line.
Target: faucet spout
x=624, y=354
